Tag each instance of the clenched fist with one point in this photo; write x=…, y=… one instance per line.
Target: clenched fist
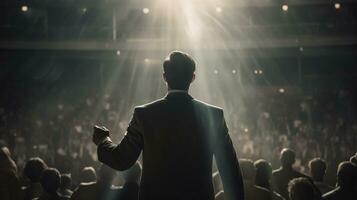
x=99, y=134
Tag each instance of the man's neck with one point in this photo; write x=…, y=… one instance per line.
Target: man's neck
x=176, y=91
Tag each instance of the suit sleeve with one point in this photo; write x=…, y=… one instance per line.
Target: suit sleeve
x=125, y=154
x=228, y=164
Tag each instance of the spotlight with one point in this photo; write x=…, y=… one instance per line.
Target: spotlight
x=285, y=7
x=337, y=6
x=255, y=71
x=84, y=10
x=215, y=71
x=234, y=71
x=24, y=8
x=218, y=9
x=281, y=90
x=260, y=71
x=118, y=52
x=246, y=130
x=146, y=10
x=301, y=49
x=146, y=60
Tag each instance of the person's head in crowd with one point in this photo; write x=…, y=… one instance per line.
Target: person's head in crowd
x=133, y=174
x=179, y=70
x=346, y=175
x=353, y=159
x=50, y=180
x=7, y=165
x=301, y=189
x=317, y=168
x=34, y=168
x=248, y=169
x=287, y=158
x=66, y=181
x=88, y=175
x=105, y=176
x=264, y=172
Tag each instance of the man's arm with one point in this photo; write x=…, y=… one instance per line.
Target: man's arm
x=228, y=164
x=125, y=154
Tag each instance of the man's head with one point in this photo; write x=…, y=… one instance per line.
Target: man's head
x=179, y=70
x=34, y=168
x=133, y=174
x=50, y=180
x=301, y=189
x=248, y=169
x=287, y=158
x=346, y=175
x=317, y=169
x=88, y=175
x=263, y=173
x=66, y=181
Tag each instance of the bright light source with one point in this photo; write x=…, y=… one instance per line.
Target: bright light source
x=255, y=71
x=24, y=8
x=146, y=10
x=84, y=10
x=301, y=48
x=118, y=52
x=246, y=130
x=146, y=60
x=215, y=71
x=234, y=71
x=281, y=90
x=285, y=7
x=337, y=5
x=219, y=9
x=260, y=71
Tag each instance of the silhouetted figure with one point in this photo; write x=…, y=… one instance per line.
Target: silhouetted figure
x=301, y=189
x=9, y=183
x=353, y=159
x=317, y=168
x=263, y=175
x=65, y=187
x=88, y=175
x=130, y=190
x=50, y=181
x=252, y=191
x=102, y=189
x=33, y=171
x=178, y=136
x=346, y=183
x=282, y=176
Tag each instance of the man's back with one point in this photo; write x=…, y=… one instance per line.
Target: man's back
x=281, y=178
x=178, y=136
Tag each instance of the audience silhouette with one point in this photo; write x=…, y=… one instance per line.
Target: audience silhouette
x=346, y=183
x=282, y=176
x=33, y=171
x=65, y=186
x=50, y=181
x=263, y=175
x=88, y=175
x=9, y=183
x=301, y=189
x=317, y=168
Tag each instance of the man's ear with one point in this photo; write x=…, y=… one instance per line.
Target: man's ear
x=193, y=77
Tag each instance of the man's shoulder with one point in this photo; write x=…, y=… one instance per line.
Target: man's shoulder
x=152, y=104
x=207, y=105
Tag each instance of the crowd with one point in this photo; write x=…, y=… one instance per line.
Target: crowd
x=320, y=128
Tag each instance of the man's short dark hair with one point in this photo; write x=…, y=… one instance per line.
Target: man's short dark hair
x=346, y=174
x=301, y=189
x=179, y=68
x=248, y=169
x=317, y=169
x=34, y=168
x=88, y=174
x=66, y=181
x=287, y=157
x=263, y=173
x=50, y=180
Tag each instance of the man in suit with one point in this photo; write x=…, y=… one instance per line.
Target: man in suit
x=178, y=136
x=282, y=176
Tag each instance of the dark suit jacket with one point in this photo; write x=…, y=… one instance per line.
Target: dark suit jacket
x=178, y=136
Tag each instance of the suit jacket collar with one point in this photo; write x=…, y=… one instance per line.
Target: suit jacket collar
x=178, y=95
